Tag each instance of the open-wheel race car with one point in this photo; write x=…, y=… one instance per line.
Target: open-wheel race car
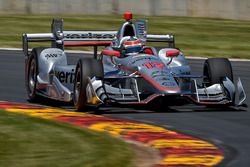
x=126, y=71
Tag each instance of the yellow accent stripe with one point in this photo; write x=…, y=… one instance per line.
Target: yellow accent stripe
x=179, y=143
x=117, y=128
x=47, y=113
x=196, y=160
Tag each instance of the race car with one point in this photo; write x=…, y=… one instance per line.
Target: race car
x=126, y=71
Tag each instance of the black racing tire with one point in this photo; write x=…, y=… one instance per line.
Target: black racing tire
x=215, y=69
x=85, y=68
x=31, y=72
x=31, y=75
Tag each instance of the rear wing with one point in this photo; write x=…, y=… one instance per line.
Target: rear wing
x=60, y=38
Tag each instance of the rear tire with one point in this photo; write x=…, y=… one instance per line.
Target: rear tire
x=215, y=69
x=31, y=75
x=85, y=68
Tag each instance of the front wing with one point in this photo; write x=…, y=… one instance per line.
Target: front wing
x=217, y=94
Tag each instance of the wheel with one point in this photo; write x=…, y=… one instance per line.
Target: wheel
x=31, y=74
x=31, y=78
x=216, y=68
x=85, y=68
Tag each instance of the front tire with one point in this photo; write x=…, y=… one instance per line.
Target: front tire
x=85, y=68
x=215, y=69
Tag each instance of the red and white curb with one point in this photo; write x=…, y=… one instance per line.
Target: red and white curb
x=176, y=149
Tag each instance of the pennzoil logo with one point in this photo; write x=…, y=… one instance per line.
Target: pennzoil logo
x=89, y=35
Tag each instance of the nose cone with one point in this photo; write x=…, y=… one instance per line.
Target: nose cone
x=152, y=69
x=161, y=78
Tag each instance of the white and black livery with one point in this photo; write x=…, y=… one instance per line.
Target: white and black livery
x=127, y=71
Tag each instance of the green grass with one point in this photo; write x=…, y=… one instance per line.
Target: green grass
x=195, y=36
x=33, y=142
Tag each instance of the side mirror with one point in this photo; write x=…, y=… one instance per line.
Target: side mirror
x=172, y=53
x=112, y=53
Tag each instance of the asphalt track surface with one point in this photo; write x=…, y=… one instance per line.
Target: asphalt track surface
x=229, y=129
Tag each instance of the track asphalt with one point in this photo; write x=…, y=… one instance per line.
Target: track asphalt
x=228, y=129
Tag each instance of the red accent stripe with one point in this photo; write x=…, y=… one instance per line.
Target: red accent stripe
x=16, y=105
x=87, y=43
x=111, y=53
x=84, y=121
x=132, y=42
x=147, y=137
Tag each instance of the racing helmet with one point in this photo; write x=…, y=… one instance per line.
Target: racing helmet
x=130, y=45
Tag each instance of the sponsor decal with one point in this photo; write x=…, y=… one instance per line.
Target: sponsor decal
x=89, y=36
x=65, y=76
x=175, y=149
x=144, y=59
x=52, y=55
x=162, y=73
x=154, y=64
x=168, y=84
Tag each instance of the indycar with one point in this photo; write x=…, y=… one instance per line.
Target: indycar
x=126, y=71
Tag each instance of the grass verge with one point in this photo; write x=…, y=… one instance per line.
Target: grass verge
x=195, y=36
x=33, y=142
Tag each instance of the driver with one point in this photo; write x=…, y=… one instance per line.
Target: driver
x=130, y=46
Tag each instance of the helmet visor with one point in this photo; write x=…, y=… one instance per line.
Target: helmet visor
x=134, y=49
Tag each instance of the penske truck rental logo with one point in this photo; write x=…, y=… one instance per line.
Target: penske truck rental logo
x=89, y=35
